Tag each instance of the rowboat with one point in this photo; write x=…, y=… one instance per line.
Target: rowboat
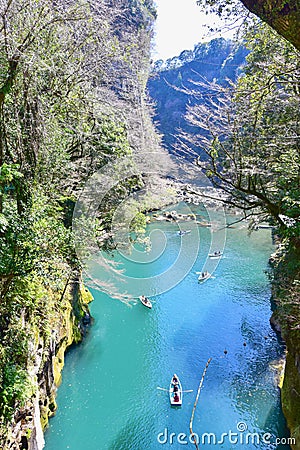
x=183, y=232
x=215, y=255
x=204, y=276
x=145, y=301
x=175, y=391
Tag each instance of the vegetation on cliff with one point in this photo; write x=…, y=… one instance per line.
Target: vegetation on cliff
x=72, y=82
x=72, y=98
x=247, y=134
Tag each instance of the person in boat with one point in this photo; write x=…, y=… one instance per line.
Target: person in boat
x=176, y=397
x=175, y=380
x=175, y=388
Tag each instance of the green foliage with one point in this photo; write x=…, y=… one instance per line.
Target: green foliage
x=15, y=390
x=9, y=173
x=71, y=100
x=17, y=246
x=15, y=384
x=138, y=224
x=249, y=133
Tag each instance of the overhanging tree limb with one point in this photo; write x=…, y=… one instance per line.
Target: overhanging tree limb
x=283, y=16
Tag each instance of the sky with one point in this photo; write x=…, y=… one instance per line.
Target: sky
x=179, y=27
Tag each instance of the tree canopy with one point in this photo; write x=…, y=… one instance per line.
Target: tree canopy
x=72, y=82
x=247, y=134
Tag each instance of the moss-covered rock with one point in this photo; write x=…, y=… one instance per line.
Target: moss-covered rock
x=286, y=321
x=68, y=324
x=290, y=393
x=74, y=319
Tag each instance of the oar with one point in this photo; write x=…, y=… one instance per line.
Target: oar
x=168, y=390
x=163, y=389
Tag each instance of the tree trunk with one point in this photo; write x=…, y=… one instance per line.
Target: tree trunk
x=283, y=16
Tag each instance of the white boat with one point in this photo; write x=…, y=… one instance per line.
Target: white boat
x=145, y=301
x=183, y=232
x=175, y=391
x=215, y=255
x=204, y=276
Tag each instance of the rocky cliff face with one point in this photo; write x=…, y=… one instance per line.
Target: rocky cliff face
x=217, y=61
x=291, y=386
x=45, y=369
x=286, y=320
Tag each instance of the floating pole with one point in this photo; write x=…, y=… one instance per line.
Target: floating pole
x=196, y=402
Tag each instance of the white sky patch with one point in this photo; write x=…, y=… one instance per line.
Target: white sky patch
x=180, y=25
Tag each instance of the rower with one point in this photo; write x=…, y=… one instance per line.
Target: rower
x=176, y=397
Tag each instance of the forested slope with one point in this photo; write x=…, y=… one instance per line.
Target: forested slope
x=72, y=83
x=170, y=83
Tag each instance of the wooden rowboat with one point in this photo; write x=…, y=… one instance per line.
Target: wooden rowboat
x=204, y=276
x=145, y=301
x=175, y=391
x=215, y=255
x=183, y=232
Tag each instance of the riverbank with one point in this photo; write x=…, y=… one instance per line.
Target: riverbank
x=286, y=321
x=68, y=324
x=71, y=324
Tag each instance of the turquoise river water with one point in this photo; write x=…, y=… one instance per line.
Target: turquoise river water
x=109, y=400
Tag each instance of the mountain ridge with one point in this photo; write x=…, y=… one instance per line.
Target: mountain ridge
x=216, y=61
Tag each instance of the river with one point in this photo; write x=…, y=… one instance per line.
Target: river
x=109, y=400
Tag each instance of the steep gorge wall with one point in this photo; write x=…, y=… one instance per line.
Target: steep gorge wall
x=69, y=327
x=286, y=321
x=290, y=394
x=91, y=124
x=172, y=82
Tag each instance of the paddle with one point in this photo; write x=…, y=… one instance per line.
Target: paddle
x=168, y=390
